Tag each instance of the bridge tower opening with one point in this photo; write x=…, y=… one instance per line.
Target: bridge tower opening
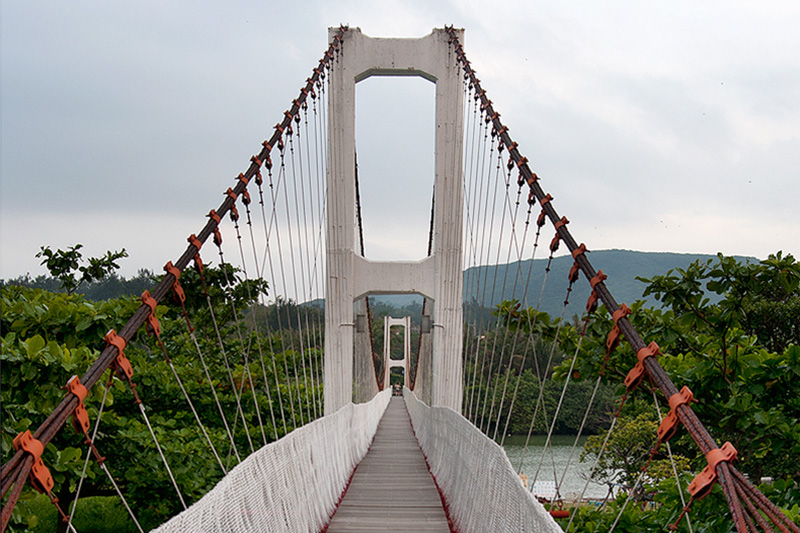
x=403, y=359
x=394, y=165
x=351, y=277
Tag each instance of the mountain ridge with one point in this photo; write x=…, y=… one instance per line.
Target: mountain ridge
x=621, y=266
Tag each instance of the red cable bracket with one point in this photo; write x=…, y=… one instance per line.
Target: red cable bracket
x=152, y=320
x=230, y=193
x=80, y=417
x=701, y=486
x=557, y=238
x=121, y=363
x=636, y=373
x=613, y=336
x=542, y=219
x=194, y=241
x=530, y=181
x=169, y=268
x=257, y=161
x=217, y=235
x=591, y=303
x=575, y=271
x=198, y=261
x=510, y=163
x=669, y=425
x=40, y=475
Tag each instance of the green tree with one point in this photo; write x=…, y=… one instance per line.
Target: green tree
x=740, y=356
x=729, y=331
x=49, y=337
x=626, y=461
x=65, y=266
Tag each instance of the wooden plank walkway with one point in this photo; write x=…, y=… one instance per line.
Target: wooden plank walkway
x=391, y=489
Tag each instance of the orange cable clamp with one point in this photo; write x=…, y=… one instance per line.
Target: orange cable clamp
x=701, y=485
x=217, y=235
x=669, y=425
x=80, y=417
x=198, y=261
x=121, y=363
x=636, y=373
x=591, y=303
x=575, y=270
x=152, y=319
x=40, y=475
x=176, y=286
x=613, y=336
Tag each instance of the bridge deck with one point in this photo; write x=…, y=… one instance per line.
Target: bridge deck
x=391, y=489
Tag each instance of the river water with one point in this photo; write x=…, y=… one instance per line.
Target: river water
x=556, y=458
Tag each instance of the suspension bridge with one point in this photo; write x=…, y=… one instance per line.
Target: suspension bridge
x=304, y=428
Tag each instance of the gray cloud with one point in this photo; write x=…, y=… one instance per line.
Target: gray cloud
x=641, y=119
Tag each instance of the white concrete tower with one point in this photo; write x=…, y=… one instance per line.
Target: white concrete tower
x=350, y=276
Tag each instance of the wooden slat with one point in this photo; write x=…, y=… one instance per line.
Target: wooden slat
x=391, y=489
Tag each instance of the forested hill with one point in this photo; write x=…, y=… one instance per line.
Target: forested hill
x=621, y=266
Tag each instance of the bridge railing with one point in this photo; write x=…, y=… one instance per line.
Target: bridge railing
x=293, y=484
x=481, y=489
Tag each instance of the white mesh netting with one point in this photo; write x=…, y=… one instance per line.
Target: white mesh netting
x=292, y=484
x=480, y=485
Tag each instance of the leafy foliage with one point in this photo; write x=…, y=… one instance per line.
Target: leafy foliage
x=741, y=356
x=728, y=329
x=628, y=453
x=48, y=337
x=65, y=265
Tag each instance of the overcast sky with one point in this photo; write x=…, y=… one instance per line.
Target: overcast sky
x=657, y=126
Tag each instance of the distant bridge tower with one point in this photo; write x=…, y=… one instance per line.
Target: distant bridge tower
x=351, y=277
x=388, y=362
